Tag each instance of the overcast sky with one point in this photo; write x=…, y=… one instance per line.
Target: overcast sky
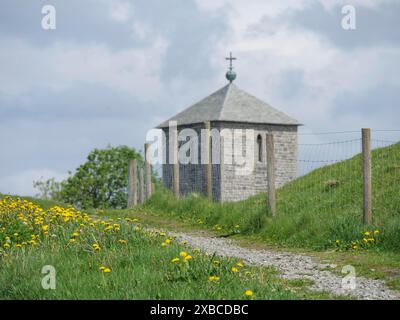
x=114, y=69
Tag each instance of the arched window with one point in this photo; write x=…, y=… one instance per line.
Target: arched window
x=259, y=147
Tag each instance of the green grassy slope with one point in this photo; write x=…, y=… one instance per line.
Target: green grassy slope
x=313, y=211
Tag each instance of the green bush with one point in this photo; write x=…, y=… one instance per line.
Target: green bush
x=101, y=182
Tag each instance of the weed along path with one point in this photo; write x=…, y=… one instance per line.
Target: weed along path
x=294, y=266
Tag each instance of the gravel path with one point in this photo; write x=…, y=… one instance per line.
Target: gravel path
x=293, y=266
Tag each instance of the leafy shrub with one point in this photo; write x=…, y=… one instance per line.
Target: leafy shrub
x=102, y=181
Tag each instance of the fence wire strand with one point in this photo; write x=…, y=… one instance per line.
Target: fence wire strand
x=330, y=176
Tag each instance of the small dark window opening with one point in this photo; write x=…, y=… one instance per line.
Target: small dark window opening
x=259, y=147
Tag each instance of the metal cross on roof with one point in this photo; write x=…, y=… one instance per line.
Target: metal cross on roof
x=230, y=58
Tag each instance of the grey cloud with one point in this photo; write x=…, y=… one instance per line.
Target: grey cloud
x=375, y=26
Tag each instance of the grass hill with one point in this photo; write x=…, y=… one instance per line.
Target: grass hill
x=320, y=210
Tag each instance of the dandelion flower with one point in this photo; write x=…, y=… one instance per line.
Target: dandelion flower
x=248, y=293
x=234, y=269
x=213, y=278
x=188, y=257
x=183, y=254
x=175, y=260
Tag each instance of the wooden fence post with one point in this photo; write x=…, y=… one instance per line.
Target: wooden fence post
x=175, y=162
x=208, y=157
x=141, y=182
x=132, y=183
x=221, y=164
x=147, y=156
x=367, y=175
x=271, y=173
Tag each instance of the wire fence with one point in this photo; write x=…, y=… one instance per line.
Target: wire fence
x=330, y=176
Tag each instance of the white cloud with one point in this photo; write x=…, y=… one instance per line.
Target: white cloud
x=62, y=65
x=21, y=183
x=120, y=11
x=269, y=49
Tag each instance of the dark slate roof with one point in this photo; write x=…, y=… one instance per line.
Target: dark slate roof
x=231, y=104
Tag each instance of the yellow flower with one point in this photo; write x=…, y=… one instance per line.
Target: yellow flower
x=105, y=269
x=6, y=246
x=73, y=240
x=376, y=232
x=96, y=247
x=248, y=293
x=164, y=244
x=45, y=227
x=366, y=233
x=234, y=269
x=18, y=245
x=213, y=278
x=75, y=234
x=175, y=260
x=163, y=234
x=183, y=242
x=188, y=257
x=168, y=241
x=183, y=254
x=122, y=241
x=216, y=262
x=15, y=234
x=240, y=265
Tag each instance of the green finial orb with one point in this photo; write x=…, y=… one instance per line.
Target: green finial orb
x=230, y=75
